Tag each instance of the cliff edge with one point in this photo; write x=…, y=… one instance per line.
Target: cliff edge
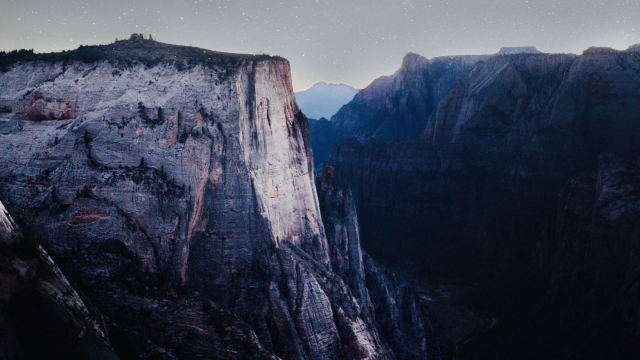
x=178, y=190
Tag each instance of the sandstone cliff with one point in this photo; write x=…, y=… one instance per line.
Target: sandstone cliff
x=474, y=200
x=176, y=186
x=397, y=106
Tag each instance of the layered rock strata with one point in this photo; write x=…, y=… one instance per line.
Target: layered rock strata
x=475, y=198
x=179, y=192
x=396, y=106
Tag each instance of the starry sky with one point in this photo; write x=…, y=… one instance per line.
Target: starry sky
x=339, y=41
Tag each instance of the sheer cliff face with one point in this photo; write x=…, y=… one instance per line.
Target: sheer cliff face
x=404, y=322
x=498, y=100
x=393, y=107
x=201, y=139
x=542, y=112
x=475, y=198
x=515, y=125
x=397, y=106
x=182, y=200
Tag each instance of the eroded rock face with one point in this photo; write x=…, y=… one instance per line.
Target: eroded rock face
x=41, y=315
x=476, y=197
x=182, y=200
x=489, y=114
x=518, y=125
x=405, y=324
x=396, y=106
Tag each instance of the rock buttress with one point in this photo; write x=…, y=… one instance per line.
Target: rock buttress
x=182, y=201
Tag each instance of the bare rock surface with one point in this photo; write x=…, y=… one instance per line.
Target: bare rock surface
x=176, y=186
x=41, y=314
x=393, y=107
x=474, y=199
x=405, y=324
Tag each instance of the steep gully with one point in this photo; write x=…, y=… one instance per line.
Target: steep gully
x=497, y=175
x=179, y=198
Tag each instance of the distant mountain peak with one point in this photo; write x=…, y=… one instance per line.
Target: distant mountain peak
x=324, y=99
x=324, y=84
x=411, y=60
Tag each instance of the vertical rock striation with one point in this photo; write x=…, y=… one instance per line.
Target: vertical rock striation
x=403, y=322
x=176, y=186
x=396, y=106
x=475, y=198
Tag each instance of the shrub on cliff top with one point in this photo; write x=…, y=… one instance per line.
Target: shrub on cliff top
x=9, y=58
x=128, y=53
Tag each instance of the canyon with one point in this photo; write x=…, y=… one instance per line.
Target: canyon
x=174, y=187
x=171, y=202
x=510, y=176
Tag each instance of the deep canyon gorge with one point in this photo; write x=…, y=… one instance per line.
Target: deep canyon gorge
x=513, y=178
x=170, y=202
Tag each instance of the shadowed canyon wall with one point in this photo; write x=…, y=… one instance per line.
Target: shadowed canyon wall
x=474, y=196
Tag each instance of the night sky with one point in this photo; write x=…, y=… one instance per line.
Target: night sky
x=340, y=41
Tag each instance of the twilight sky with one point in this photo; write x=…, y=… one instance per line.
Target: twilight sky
x=340, y=41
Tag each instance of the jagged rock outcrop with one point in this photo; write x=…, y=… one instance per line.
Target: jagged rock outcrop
x=404, y=322
x=176, y=186
x=475, y=198
x=397, y=106
x=41, y=315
